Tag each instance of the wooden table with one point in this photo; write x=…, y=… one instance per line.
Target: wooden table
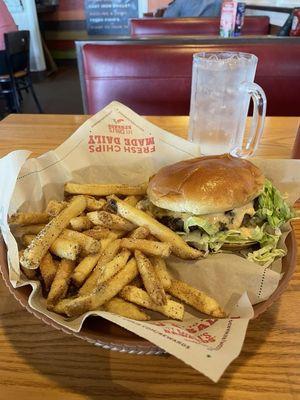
x=38, y=362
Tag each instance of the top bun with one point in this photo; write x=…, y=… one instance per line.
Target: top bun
x=206, y=185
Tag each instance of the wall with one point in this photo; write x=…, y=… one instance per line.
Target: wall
x=66, y=25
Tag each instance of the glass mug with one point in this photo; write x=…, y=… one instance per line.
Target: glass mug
x=222, y=84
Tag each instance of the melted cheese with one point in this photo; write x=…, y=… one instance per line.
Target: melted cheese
x=233, y=220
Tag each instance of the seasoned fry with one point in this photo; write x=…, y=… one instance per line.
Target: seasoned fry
x=150, y=247
x=65, y=248
x=195, y=298
x=54, y=207
x=88, y=244
x=29, y=273
x=104, y=189
x=160, y=267
x=107, y=255
x=30, y=218
x=39, y=246
x=105, y=242
x=80, y=223
x=106, y=292
x=140, y=218
x=151, y=281
x=60, y=283
x=114, y=266
x=139, y=233
x=62, y=248
x=27, y=239
x=48, y=269
x=111, y=221
x=19, y=231
x=100, y=233
x=94, y=205
x=138, y=296
x=74, y=306
x=132, y=200
x=97, y=233
x=125, y=309
x=84, y=268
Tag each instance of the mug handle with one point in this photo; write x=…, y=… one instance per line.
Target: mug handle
x=258, y=120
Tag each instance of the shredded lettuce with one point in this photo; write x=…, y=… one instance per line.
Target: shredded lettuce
x=268, y=251
x=272, y=207
x=267, y=241
x=215, y=241
x=272, y=212
x=200, y=223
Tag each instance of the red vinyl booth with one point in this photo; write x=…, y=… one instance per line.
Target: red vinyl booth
x=140, y=27
x=155, y=79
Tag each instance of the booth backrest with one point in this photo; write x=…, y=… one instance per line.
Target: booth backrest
x=194, y=26
x=155, y=79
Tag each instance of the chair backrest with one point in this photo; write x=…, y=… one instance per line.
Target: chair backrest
x=155, y=79
x=17, y=50
x=139, y=27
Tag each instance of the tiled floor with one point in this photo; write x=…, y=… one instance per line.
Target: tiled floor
x=58, y=94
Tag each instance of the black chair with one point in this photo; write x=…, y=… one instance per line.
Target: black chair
x=17, y=76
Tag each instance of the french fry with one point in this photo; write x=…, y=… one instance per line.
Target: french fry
x=179, y=247
x=80, y=223
x=65, y=248
x=114, y=266
x=97, y=233
x=151, y=282
x=39, y=246
x=111, y=221
x=121, y=307
x=104, y=189
x=30, y=218
x=138, y=296
x=62, y=248
x=84, y=268
x=94, y=205
x=150, y=247
x=162, y=273
x=107, y=255
x=60, y=283
x=74, y=306
x=54, y=207
x=118, y=234
x=105, y=293
x=88, y=244
x=195, y=298
x=29, y=273
x=105, y=242
x=19, y=231
x=27, y=239
x=132, y=200
x=48, y=269
x=139, y=233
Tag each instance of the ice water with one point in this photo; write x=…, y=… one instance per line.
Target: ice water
x=220, y=100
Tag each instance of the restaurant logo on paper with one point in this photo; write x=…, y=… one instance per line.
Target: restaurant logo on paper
x=120, y=138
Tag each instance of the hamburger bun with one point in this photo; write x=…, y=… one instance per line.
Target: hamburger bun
x=206, y=185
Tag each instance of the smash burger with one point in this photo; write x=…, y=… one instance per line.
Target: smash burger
x=220, y=203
